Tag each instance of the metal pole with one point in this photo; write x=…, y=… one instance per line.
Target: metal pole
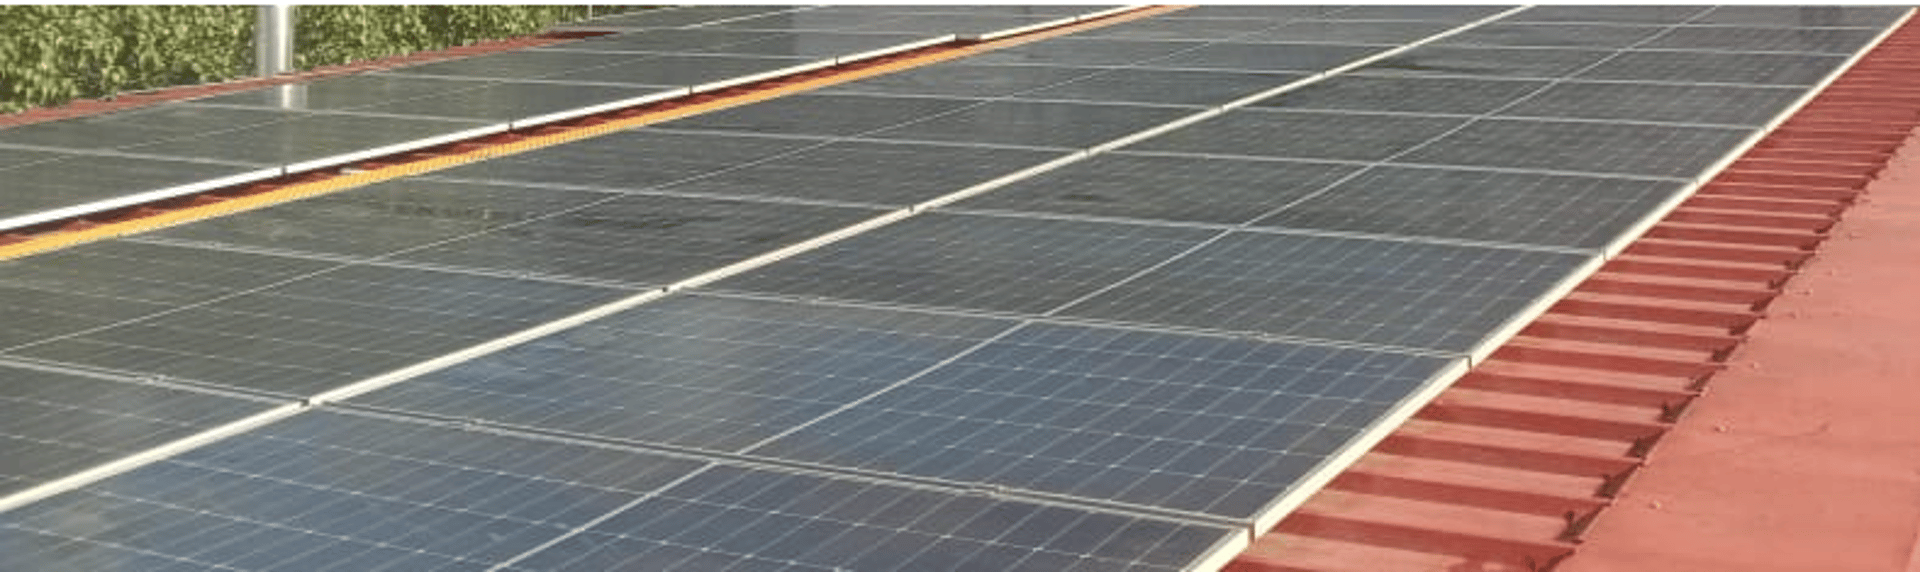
x=273, y=40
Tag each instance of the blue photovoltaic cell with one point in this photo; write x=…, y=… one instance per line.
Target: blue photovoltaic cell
x=381, y=218
x=1074, y=50
x=818, y=44
x=343, y=92
x=826, y=114
x=661, y=41
x=1720, y=104
x=1214, y=425
x=607, y=161
x=513, y=100
x=1662, y=15
x=1210, y=29
x=1309, y=135
x=1552, y=35
x=1408, y=294
x=1490, y=62
x=327, y=491
x=141, y=125
x=320, y=332
x=74, y=180
x=1717, y=67
x=312, y=138
x=1388, y=32
x=1164, y=86
x=879, y=172
x=990, y=263
x=1176, y=188
x=55, y=424
x=1527, y=208
x=641, y=240
x=968, y=80
x=715, y=373
x=1036, y=123
x=734, y=518
x=1266, y=57
x=681, y=69
x=1582, y=146
x=675, y=17
x=1456, y=95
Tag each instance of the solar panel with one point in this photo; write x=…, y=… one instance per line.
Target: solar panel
x=968, y=80
x=1458, y=95
x=989, y=263
x=800, y=20
x=142, y=125
x=343, y=92
x=1210, y=29
x=1552, y=35
x=1717, y=67
x=1730, y=105
x=1073, y=50
x=1490, y=62
x=1269, y=12
x=11, y=157
x=821, y=114
x=682, y=69
x=55, y=424
x=333, y=490
x=1803, y=16
x=1460, y=14
x=1266, y=57
x=821, y=44
x=1188, y=189
x=318, y=491
x=665, y=40
x=520, y=64
x=608, y=161
x=1163, y=86
x=380, y=218
x=65, y=180
x=1219, y=426
x=1348, y=32
x=1407, y=294
x=876, y=172
x=152, y=273
x=642, y=240
x=1802, y=40
x=1528, y=208
x=317, y=333
x=1036, y=123
x=1583, y=146
x=962, y=24
x=313, y=138
x=715, y=373
x=1310, y=135
x=737, y=518
x=1663, y=15
x=509, y=101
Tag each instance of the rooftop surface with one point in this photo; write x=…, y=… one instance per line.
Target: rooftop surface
x=351, y=405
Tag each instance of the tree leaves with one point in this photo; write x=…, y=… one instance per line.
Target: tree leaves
x=53, y=54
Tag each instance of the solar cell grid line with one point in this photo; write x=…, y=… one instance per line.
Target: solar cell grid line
x=963, y=79
x=378, y=219
x=319, y=490
x=54, y=423
x=309, y=334
x=74, y=184
x=714, y=373
x=683, y=16
x=1703, y=104
x=1172, y=188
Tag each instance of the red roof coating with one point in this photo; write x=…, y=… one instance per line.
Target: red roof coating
x=1806, y=453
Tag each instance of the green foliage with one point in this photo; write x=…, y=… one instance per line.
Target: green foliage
x=53, y=54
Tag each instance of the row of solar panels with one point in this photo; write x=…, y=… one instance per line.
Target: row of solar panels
x=1121, y=360
x=72, y=167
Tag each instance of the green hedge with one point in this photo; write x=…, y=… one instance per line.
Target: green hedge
x=53, y=54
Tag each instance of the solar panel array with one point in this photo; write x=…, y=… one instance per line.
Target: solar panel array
x=1118, y=361
x=173, y=149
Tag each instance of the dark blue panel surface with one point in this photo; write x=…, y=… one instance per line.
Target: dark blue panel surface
x=1303, y=135
x=642, y=240
x=1409, y=294
x=1037, y=123
x=1215, y=425
x=1582, y=146
x=320, y=332
x=716, y=373
x=1177, y=188
x=1548, y=210
x=56, y=424
x=991, y=263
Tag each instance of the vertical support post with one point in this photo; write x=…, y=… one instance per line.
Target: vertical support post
x=273, y=40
